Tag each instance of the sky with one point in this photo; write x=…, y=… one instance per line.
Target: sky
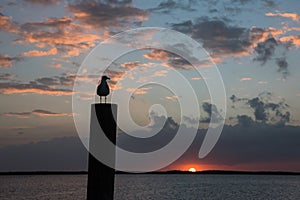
x=255, y=45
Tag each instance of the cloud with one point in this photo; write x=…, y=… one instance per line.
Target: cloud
x=142, y=90
x=283, y=65
x=7, y=61
x=46, y=113
x=17, y=114
x=44, y=2
x=36, y=53
x=245, y=120
x=6, y=76
x=293, y=39
x=255, y=147
x=62, y=35
x=265, y=50
x=130, y=65
x=293, y=16
x=173, y=98
x=169, y=59
x=56, y=86
x=218, y=37
x=246, y=79
x=262, y=82
x=32, y=87
x=196, y=78
x=265, y=109
x=223, y=40
x=100, y=15
x=268, y=3
x=169, y=5
x=265, y=146
x=57, y=154
x=115, y=77
x=212, y=112
x=37, y=112
x=6, y=24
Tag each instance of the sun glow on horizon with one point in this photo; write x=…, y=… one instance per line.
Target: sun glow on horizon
x=192, y=169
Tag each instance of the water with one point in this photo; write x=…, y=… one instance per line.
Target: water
x=156, y=187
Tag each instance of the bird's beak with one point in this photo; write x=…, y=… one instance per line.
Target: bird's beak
x=108, y=78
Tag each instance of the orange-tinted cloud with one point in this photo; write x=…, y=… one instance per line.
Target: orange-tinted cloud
x=37, y=112
x=61, y=34
x=32, y=87
x=293, y=16
x=173, y=98
x=138, y=90
x=36, y=53
x=156, y=54
x=16, y=114
x=46, y=113
x=7, y=61
x=160, y=73
x=168, y=59
x=196, y=78
x=130, y=65
x=6, y=24
x=246, y=79
x=294, y=39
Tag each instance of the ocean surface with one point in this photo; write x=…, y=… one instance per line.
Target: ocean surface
x=155, y=187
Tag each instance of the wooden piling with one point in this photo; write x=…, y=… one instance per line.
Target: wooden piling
x=101, y=177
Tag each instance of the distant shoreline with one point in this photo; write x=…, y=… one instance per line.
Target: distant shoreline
x=211, y=172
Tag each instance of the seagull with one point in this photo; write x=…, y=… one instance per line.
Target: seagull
x=103, y=88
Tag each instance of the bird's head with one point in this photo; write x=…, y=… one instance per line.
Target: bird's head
x=105, y=78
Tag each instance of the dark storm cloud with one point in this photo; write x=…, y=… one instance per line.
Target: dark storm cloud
x=251, y=143
x=98, y=14
x=248, y=142
x=159, y=140
x=212, y=112
x=264, y=110
x=244, y=120
x=57, y=154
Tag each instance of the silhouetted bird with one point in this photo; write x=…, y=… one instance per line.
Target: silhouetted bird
x=103, y=88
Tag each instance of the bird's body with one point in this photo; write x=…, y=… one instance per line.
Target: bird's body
x=103, y=88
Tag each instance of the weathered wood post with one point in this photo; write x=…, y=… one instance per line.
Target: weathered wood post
x=101, y=177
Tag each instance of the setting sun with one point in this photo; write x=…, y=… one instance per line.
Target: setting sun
x=192, y=169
